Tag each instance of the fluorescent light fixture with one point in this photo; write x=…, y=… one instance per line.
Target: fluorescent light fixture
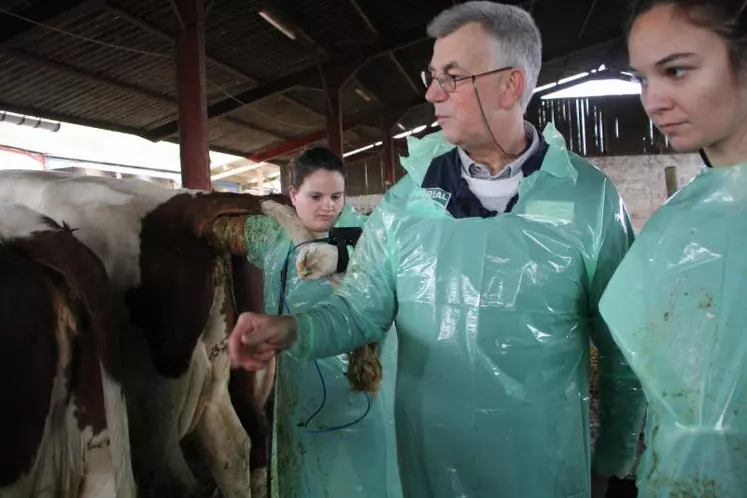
x=356, y=151
x=434, y=124
x=401, y=126
x=571, y=78
x=364, y=94
x=544, y=87
x=235, y=171
x=410, y=132
x=278, y=25
x=377, y=144
x=596, y=88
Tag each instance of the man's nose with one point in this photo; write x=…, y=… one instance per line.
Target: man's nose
x=434, y=93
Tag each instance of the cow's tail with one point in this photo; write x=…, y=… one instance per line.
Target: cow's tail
x=87, y=280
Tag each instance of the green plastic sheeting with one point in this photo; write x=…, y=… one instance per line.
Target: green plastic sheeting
x=494, y=318
x=676, y=308
x=359, y=461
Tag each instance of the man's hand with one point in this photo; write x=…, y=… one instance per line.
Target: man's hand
x=256, y=339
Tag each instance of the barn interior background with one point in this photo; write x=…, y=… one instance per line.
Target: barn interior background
x=254, y=83
x=225, y=93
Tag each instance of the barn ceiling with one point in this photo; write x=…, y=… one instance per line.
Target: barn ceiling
x=111, y=64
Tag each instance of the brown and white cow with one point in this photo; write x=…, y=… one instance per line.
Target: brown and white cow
x=167, y=256
x=63, y=426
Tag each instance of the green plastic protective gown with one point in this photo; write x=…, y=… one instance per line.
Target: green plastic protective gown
x=494, y=318
x=359, y=461
x=676, y=307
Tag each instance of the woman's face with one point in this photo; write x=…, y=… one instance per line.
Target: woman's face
x=319, y=199
x=688, y=86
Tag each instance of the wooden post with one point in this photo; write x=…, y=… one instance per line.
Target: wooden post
x=670, y=177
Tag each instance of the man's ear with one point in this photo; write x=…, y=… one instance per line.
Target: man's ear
x=513, y=86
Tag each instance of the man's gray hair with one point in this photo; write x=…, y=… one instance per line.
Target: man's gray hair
x=519, y=39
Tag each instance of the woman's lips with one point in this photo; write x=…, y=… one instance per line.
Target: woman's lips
x=670, y=127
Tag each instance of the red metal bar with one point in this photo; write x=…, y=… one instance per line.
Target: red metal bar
x=366, y=118
x=190, y=69
x=286, y=147
x=299, y=142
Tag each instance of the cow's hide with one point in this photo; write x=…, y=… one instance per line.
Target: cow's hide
x=159, y=248
x=63, y=424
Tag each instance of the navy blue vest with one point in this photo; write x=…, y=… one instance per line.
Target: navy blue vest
x=445, y=172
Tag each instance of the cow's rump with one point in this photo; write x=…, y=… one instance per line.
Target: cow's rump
x=62, y=414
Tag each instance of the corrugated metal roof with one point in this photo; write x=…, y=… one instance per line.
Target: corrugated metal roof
x=112, y=63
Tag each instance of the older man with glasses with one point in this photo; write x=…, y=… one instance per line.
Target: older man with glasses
x=490, y=256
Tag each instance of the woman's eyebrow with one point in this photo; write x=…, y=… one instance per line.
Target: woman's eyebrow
x=674, y=57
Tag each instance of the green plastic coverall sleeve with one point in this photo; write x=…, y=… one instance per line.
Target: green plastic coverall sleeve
x=676, y=307
x=358, y=461
x=494, y=318
x=261, y=234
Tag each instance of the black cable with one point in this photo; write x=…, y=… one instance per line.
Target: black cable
x=705, y=158
x=485, y=119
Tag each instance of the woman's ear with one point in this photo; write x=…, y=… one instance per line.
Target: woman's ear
x=292, y=192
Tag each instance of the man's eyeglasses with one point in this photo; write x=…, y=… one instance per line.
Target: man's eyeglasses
x=448, y=82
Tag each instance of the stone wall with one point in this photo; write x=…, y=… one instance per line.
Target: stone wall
x=640, y=179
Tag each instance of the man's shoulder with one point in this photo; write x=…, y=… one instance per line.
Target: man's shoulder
x=590, y=176
x=400, y=190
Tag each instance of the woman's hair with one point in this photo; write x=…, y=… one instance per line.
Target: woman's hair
x=313, y=159
x=726, y=18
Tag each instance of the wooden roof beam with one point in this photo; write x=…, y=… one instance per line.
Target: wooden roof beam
x=167, y=37
x=296, y=143
x=256, y=128
x=586, y=20
x=282, y=83
x=55, y=14
x=392, y=55
x=293, y=23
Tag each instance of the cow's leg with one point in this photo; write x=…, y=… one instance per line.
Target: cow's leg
x=160, y=412
x=177, y=478
x=225, y=446
x=249, y=395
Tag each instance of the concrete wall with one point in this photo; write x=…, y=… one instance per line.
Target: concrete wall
x=640, y=179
